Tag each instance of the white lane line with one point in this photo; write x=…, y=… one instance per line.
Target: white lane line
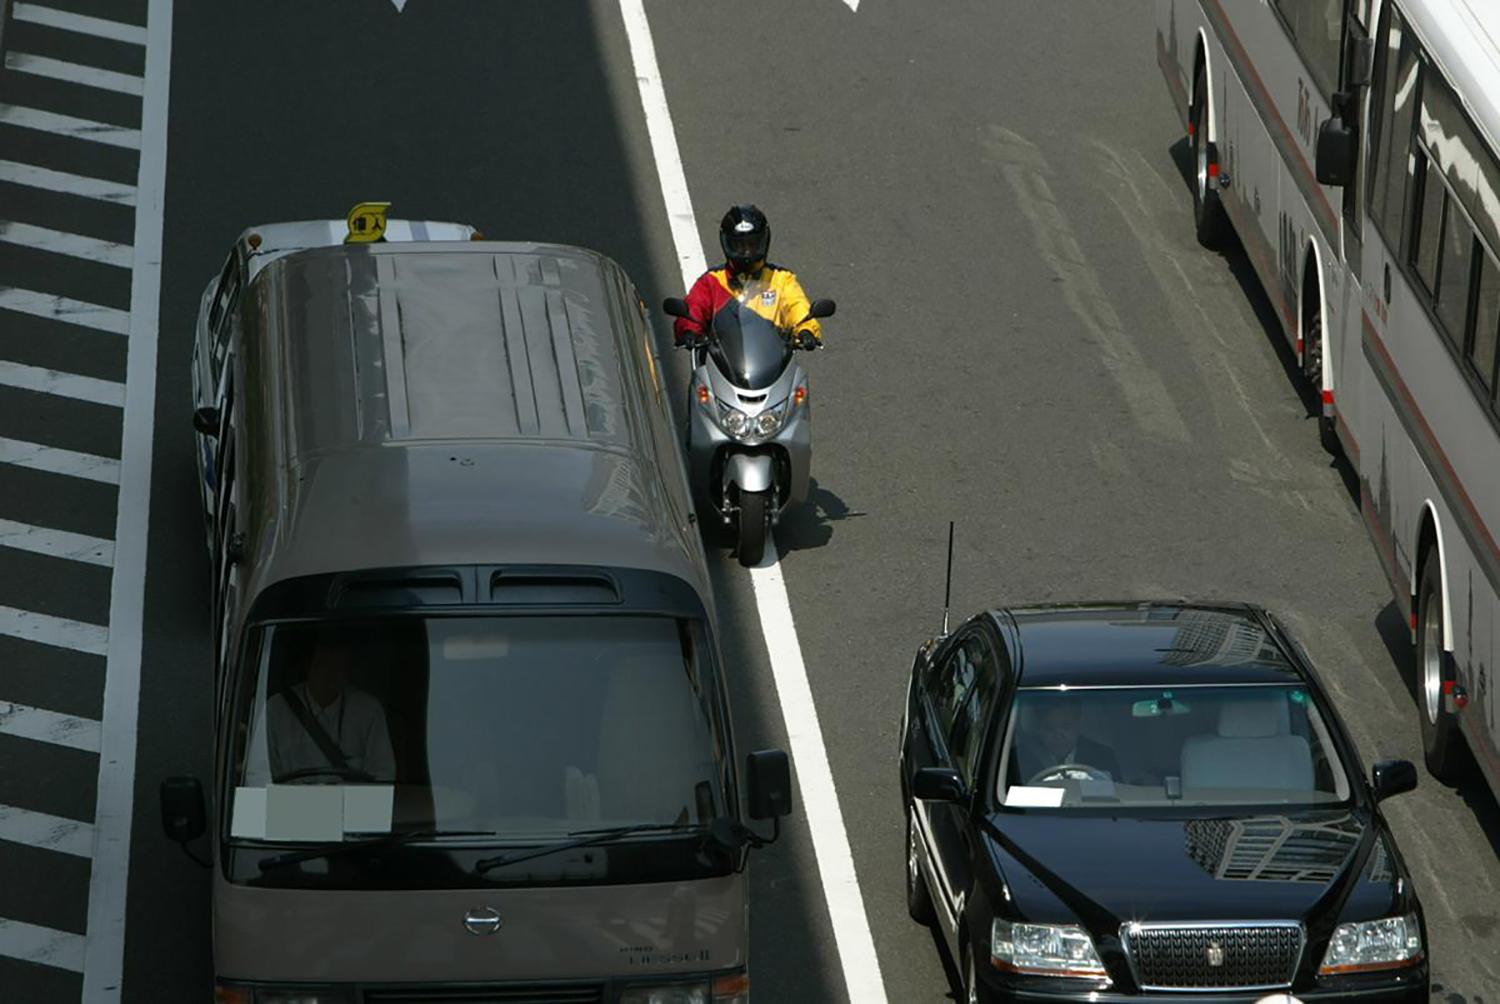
x=59, y=632
x=50, y=833
x=846, y=907
x=75, y=245
x=853, y=4
x=62, y=384
x=69, y=184
x=67, y=125
x=56, y=461
x=74, y=73
x=41, y=945
x=104, y=963
x=61, y=308
x=43, y=726
x=80, y=23
x=56, y=543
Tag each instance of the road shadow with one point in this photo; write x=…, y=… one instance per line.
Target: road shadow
x=810, y=525
x=1237, y=261
x=1469, y=781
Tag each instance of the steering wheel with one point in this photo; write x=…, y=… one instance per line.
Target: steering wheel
x=1069, y=772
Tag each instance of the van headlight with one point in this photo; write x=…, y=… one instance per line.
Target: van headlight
x=733, y=988
x=1045, y=950
x=1367, y=945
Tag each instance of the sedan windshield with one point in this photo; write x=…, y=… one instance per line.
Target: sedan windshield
x=1219, y=746
x=521, y=727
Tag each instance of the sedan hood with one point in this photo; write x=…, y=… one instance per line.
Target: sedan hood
x=1107, y=871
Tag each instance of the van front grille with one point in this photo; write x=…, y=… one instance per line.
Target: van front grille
x=1229, y=956
x=570, y=993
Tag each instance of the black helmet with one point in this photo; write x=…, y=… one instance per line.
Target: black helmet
x=745, y=236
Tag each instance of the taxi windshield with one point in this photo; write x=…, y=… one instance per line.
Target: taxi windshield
x=522, y=727
x=1181, y=746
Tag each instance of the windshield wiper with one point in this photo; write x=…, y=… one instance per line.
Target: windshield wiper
x=584, y=838
x=385, y=840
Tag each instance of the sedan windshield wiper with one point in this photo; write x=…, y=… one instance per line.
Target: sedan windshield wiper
x=584, y=838
x=385, y=840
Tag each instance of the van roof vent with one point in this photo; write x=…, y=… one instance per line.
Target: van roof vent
x=543, y=589
x=404, y=591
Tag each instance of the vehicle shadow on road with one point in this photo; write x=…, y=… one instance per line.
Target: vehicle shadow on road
x=1237, y=260
x=1469, y=783
x=810, y=525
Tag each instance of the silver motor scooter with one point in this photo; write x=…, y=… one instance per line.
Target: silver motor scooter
x=749, y=438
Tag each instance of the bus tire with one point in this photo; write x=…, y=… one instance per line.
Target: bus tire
x=1312, y=371
x=1440, y=738
x=1208, y=212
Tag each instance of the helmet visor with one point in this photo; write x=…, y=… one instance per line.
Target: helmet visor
x=746, y=247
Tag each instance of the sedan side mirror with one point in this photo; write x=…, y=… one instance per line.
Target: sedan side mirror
x=206, y=421
x=769, y=773
x=822, y=308
x=938, y=784
x=676, y=306
x=1392, y=777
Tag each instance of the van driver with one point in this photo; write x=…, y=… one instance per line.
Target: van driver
x=324, y=728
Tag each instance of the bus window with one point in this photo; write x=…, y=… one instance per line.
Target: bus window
x=1394, y=117
x=1317, y=26
x=1486, y=323
x=1455, y=274
x=1428, y=225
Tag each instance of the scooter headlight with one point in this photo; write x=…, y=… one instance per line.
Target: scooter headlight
x=734, y=421
x=768, y=423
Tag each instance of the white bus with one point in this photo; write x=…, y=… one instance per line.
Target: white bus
x=1386, y=280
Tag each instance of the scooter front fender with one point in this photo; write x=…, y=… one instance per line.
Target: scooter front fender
x=750, y=471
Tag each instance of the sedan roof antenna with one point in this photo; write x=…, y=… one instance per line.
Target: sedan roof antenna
x=948, y=583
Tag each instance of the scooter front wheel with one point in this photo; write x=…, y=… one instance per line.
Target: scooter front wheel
x=754, y=526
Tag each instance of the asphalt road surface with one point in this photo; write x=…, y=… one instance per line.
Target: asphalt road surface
x=1029, y=342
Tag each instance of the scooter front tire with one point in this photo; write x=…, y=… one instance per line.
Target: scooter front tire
x=754, y=527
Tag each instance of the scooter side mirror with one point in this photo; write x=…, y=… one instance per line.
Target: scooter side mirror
x=676, y=306
x=822, y=308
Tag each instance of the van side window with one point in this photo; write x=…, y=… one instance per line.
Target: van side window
x=1481, y=350
x=225, y=297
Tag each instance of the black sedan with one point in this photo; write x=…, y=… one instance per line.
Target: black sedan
x=1117, y=801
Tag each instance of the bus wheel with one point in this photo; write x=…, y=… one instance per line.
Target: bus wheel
x=1440, y=738
x=1208, y=213
x=1312, y=371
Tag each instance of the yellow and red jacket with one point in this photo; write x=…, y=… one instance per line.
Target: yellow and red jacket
x=774, y=293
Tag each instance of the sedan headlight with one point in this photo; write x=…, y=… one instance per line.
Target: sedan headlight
x=1368, y=945
x=301, y=997
x=1045, y=950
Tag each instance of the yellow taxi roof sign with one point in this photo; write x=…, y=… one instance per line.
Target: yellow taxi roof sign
x=367, y=222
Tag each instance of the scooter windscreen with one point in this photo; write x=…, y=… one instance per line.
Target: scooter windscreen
x=748, y=348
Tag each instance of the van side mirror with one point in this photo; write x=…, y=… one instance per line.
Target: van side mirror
x=676, y=306
x=937, y=784
x=1337, y=151
x=822, y=308
x=183, y=815
x=206, y=421
x=1392, y=777
x=769, y=776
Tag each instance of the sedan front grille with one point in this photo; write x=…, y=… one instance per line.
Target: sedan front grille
x=1219, y=956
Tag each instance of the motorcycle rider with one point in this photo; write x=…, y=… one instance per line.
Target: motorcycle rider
x=747, y=278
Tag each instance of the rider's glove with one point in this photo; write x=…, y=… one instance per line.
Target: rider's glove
x=806, y=340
